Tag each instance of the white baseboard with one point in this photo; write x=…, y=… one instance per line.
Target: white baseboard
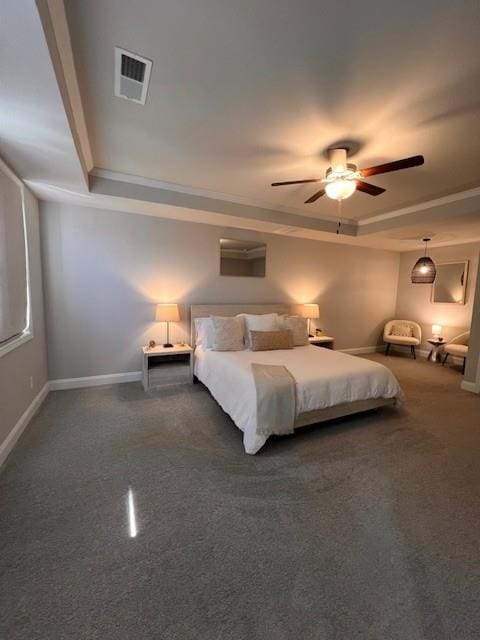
x=94, y=381
x=423, y=353
x=451, y=359
x=56, y=385
x=360, y=350
x=10, y=441
x=473, y=387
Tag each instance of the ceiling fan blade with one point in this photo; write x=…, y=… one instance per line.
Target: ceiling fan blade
x=315, y=196
x=406, y=163
x=281, y=184
x=371, y=189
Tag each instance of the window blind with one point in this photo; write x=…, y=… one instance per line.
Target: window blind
x=13, y=267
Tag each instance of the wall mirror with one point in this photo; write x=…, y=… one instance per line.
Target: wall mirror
x=242, y=258
x=450, y=283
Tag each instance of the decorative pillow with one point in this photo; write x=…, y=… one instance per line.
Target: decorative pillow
x=404, y=330
x=261, y=322
x=204, y=332
x=299, y=328
x=227, y=334
x=270, y=340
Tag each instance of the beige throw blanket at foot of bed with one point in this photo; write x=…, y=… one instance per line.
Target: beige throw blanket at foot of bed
x=275, y=388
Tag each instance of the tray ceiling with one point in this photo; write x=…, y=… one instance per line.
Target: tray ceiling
x=244, y=93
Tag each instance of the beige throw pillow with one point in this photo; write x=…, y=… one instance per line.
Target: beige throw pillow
x=227, y=334
x=271, y=340
x=403, y=330
x=299, y=328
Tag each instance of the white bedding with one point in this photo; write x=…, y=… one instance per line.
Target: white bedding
x=324, y=378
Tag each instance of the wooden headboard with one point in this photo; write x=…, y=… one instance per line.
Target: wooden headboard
x=205, y=310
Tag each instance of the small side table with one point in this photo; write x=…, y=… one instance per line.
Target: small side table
x=322, y=341
x=167, y=365
x=437, y=345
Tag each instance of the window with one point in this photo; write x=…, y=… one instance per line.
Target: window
x=14, y=297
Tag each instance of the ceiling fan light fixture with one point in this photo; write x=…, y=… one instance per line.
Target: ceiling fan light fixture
x=340, y=189
x=343, y=178
x=338, y=160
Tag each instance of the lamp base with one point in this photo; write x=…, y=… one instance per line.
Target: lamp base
x=167, y=345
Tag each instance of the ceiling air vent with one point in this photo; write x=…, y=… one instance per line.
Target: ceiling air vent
x=132, y=75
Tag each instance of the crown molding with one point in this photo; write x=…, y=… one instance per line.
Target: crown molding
x=146, y=190
x=446, y=208
x=216, y=195
x=57, y=35
x=422, y=206
x=116, y=184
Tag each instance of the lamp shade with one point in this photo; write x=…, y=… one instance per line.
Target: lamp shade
x=436, y=329
x=167, y=313
x=311, y=311
x=423, y=271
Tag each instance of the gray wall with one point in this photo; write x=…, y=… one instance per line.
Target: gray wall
x=104, y=271
x=29, y=359
x=414, y=301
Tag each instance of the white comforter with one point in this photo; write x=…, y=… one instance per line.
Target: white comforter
x=324, y=378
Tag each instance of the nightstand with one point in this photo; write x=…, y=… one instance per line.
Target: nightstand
x=436, y=349
x=167, y=365
x=322, y=341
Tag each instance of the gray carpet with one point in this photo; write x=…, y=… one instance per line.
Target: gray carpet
x=364, y=528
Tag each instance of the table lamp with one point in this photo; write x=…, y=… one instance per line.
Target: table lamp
x=167, y=313
x=310, y=311
x=437, y=331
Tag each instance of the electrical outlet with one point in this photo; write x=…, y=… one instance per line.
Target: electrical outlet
x=31, y=382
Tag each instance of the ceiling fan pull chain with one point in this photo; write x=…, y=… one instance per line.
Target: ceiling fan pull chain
x=339, y=216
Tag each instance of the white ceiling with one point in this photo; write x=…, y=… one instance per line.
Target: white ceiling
x=246, y=93
x=35, y=138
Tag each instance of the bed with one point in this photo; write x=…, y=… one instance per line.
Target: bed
x=328, y=384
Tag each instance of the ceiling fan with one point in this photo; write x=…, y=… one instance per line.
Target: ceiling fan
x=343, y=178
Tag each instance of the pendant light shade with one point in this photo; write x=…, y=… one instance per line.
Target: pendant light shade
x=424, y=270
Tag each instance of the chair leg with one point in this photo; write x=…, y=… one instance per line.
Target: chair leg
x=413, y=352
x=445, y=359
x=387, y=349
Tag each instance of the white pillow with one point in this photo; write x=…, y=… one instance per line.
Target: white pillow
x=299, y=327
x=204, y=332
x=228, y=334
x=261, y=322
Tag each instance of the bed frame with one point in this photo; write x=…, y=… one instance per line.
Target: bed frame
x=306, y=418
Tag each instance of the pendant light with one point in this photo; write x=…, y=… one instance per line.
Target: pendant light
x=424, y=270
